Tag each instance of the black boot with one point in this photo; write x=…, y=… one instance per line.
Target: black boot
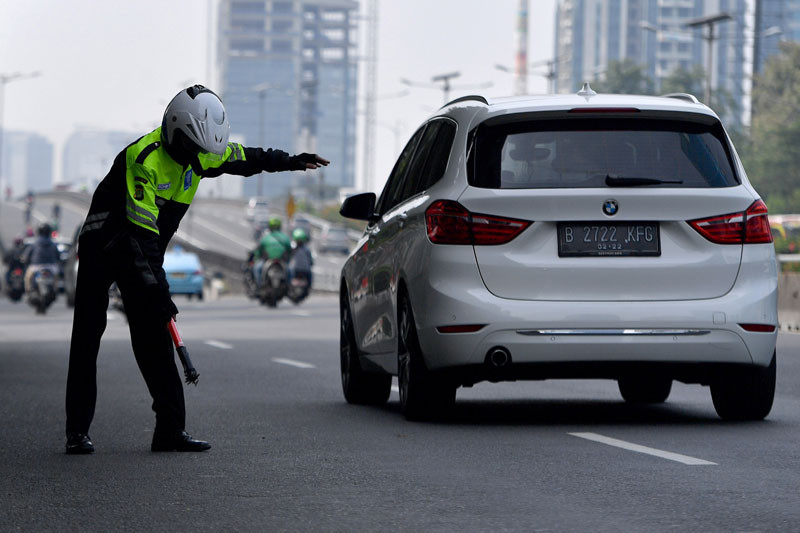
x=177, y=442
x=79, y=444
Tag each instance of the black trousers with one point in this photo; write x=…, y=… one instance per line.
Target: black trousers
x=150, y=340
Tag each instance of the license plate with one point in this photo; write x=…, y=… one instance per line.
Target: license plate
x=577, y=239
x=178, y=275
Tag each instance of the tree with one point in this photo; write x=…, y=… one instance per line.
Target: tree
x=682, y=80
x=773, y=162
x=624, y=77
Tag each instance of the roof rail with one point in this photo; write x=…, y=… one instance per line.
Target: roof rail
x=475, y=97
x=682, y=96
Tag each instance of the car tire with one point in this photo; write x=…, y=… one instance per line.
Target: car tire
x=423, y=394
x=359, y=387
x=70, y=300
x=745, y=394
x=645, y=389
x=200, y=296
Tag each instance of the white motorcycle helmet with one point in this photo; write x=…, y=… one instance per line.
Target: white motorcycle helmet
x=195, y=121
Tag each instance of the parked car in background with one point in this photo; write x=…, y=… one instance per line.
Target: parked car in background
x=257, y=207
x=334, y=239
x=184, y=272
x=563, y=236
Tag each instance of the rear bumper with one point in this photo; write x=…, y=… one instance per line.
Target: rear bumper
x=187, y=285
x=455, y=295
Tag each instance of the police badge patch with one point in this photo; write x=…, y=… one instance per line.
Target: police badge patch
x=138, y=193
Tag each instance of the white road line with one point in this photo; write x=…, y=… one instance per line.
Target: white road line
x=292, y=362
x=220, y=345
x=685, y=459
x=300, y=313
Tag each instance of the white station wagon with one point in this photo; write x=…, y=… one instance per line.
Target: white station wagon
x=563, y=236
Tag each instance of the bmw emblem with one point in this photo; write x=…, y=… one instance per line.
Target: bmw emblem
x=610, y=207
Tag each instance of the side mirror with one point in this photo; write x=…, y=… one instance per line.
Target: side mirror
x=359, y=206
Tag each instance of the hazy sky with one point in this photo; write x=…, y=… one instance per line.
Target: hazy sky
x=114, y=64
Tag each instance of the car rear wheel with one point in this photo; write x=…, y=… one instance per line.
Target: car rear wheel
x=359, y=387
x=745, y=394
x=423, y=395
x=645, y=389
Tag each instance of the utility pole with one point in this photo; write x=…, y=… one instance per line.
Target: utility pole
x=521, y=73
x=445, y=79
x=709, y=21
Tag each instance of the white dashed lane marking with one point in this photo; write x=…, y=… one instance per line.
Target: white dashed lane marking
x=292, y=362
x=685, y=459
x=220, y=345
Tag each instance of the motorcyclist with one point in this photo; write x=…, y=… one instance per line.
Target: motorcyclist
x=41, y=255
x=13, y=258
x=135, y=211
x=301, y=262
x=274, y=244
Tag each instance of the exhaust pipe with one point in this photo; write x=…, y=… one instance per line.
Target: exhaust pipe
x=498, y=357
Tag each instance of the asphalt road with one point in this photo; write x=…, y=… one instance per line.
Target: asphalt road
x=289, y=454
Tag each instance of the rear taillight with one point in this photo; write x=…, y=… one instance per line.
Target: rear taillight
x=758, y=328
x=197, y=273
x=747, y=227
x=449, y=222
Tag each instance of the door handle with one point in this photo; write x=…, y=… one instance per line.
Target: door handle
x=401, y=219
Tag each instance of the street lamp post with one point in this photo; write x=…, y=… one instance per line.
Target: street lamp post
x=709, y=21
x=5, y=79
x=261, y=89
x=446, y=87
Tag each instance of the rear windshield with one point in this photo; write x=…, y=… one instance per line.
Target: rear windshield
x=585, y=152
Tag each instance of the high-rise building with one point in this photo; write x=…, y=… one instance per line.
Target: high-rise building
x=775, y=21
x=288, y=73
x=653, y=34
x=27, y=160
x=88, y=155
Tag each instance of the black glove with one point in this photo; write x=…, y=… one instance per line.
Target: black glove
x=304, y=161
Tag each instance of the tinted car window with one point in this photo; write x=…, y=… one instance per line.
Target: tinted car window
x=437, y=159
x=414, y=175
x=583, y=152
x=389, y=197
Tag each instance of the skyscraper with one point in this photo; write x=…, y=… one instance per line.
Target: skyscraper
x=27, y=162
x=651, y=33
x=288, y=79
x=775, y=20
x=88, y=155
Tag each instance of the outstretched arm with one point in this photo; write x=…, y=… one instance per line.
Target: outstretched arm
x=245, y=161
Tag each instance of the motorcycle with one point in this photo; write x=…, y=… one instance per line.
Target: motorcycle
x=299, y=287
x=273, y=282
x=250, y=285
x=15, y=287
x=43, y=290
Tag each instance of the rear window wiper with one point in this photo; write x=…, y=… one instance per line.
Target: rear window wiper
x=614, y=180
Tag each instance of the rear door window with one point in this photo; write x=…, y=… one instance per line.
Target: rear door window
x=393, y=188
x=576, y=153
x=440, y=154
x=414, y=176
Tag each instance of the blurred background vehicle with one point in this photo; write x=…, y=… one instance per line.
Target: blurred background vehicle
x=184, y=272
x=257, y=207
x=334, y=239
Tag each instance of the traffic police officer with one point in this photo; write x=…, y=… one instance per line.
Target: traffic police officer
x=134, y=213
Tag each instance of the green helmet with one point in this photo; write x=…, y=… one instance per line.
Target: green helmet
x=274, y=223
x=300, y=235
